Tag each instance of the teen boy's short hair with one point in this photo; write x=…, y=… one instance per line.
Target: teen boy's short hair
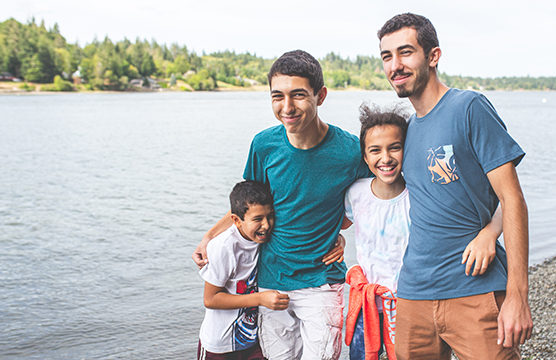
x=426, y=34
x=247, y=193
x=371, y=116
x=298, y=63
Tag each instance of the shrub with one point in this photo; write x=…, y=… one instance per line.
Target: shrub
x=27, y=87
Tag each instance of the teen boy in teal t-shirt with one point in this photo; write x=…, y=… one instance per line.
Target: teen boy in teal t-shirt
x=308, y=165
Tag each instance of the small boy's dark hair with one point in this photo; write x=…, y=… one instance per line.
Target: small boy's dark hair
x=247, y=193
x=298, y=63
x=371, y=116
x=426, y=34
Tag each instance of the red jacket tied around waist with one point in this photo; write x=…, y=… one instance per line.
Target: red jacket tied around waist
x=362, y=298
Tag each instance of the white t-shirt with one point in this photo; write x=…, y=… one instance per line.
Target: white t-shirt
x=381, y=232
x=232, y=262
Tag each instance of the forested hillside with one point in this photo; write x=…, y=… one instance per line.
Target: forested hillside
x=32, y=53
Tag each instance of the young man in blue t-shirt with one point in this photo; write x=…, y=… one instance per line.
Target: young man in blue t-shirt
x=459, y=162
x=308, y=165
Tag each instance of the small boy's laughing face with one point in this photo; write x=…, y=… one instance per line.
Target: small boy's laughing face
x=384, y=152
x=257, y=223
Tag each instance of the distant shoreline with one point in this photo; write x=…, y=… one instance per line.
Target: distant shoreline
x=13, y=88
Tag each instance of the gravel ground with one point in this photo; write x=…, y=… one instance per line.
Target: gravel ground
x=542, y=293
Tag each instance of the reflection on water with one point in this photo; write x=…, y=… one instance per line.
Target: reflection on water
x=104, y=197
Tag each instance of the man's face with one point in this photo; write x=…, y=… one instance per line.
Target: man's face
x=294, y=103
x=404, y=62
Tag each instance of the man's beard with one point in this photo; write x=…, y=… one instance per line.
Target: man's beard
x=420, y=83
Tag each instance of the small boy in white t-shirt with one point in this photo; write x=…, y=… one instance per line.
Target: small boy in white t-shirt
x=229, y=329
x=379, y=209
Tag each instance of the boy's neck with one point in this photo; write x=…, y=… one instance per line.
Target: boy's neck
x=310, y=137
x=387, y=191
x=243, y=235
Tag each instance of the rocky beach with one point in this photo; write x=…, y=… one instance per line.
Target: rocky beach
x=542, y=292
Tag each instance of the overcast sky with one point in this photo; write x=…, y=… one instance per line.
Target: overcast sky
x=482, y=38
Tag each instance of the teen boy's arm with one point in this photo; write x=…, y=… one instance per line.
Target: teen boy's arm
x=514, y=321
x=199, y=255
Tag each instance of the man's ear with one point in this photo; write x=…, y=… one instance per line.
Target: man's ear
x=321, y=95
x=434, y=56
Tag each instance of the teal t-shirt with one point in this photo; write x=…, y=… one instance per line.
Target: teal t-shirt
x=308, y=187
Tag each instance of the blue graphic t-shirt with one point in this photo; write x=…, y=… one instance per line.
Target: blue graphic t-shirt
x=308, y=187
x=447, y=155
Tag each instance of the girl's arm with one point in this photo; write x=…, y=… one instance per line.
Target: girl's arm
x=482, y=249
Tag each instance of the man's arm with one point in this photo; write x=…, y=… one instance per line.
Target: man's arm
x=514, y=321
x=199, y=255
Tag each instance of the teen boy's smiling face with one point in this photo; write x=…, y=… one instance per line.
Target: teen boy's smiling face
x=384, y=153
x=257, y=223
x=294, y=102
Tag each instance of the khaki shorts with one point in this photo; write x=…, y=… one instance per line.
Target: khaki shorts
x=309, y=329
x=430, y=329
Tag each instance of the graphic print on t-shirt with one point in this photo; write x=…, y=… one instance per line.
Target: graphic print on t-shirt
x=442, y=164
x=244, y=333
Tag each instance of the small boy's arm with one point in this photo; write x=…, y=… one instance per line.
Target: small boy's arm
x=216, y=297
x=482, y=249
x=199, y=255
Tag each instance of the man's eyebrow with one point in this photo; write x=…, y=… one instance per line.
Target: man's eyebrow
x=407, y=46
x=400, y=48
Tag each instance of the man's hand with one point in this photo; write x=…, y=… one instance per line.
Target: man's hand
x=481, y=251
x=274, y=300
x=514, y=321
x=337, y=253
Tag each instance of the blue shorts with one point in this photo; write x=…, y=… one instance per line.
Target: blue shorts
x=357, y=346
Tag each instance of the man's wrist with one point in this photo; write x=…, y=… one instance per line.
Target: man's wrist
x=520, y=290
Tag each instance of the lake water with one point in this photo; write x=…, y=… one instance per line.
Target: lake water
x=103, y=197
